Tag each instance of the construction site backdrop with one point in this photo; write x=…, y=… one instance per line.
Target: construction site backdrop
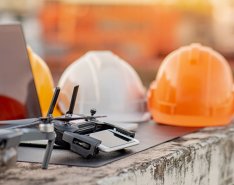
x=141, y=32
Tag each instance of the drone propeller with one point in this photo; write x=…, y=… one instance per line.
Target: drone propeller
x=19, y=122
x=22, y=125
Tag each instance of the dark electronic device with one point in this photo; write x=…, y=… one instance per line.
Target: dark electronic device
x=86, y=138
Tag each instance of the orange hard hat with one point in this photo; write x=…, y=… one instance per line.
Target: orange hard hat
x=43, y=82
x=193, y=87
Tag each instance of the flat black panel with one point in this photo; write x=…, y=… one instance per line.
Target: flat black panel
x=149, y=135
x=18, y=96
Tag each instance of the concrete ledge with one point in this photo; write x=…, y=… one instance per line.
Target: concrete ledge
x=205, y=157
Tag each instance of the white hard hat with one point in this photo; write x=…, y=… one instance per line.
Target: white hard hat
x=108, y=84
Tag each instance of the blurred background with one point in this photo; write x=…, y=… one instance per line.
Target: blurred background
x=142, y=32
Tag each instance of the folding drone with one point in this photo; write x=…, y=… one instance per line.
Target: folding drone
x=86, y=137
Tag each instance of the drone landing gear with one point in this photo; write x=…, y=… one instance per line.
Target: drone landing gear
x=35, y=134
x=48, y=152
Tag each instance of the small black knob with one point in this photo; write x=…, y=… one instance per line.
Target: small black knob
x=92, y=112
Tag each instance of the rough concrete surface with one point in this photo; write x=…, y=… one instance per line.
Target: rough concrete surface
x=201, y=158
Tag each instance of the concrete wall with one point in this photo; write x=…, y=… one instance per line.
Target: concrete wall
x=203, y=158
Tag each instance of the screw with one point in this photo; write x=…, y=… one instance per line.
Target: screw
x=92, y=112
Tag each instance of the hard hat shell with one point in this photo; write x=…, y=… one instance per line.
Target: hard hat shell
x=193, y=87
x=108, y=84
x=43, y=82
x=11, y=108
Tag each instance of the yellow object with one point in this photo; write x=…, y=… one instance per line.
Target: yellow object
x=193, y=87
x=43, y=81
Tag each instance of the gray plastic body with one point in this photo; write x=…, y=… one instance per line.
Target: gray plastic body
x=9, y=141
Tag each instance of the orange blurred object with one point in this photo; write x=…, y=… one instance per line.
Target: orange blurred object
x=138, y=33
x=193, y=87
